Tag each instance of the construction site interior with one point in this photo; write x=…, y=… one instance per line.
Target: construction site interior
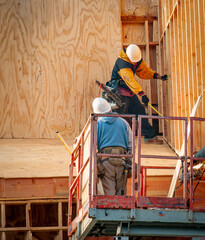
x=52, y=52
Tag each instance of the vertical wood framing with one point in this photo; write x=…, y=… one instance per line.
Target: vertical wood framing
x=60, y=221
x=182, y=27
x=180, y=72
x=3, y=220
x=147, y=60
x=161, y=93
x=171, y=76
x=28, y=223
x=196, y=61
x=158, y=51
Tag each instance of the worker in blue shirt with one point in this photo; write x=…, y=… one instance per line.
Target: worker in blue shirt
x=114, y=136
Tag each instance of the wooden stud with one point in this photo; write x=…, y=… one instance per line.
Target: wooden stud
x=137, y=19
x=165, y=88
x=3, y=220
x=175, y=88
x=148, y=91
x=196, y=73
x=200, y=63
x=28, y=224
x=170, y=82
x=189, y=56
x=159, y=84
x=60, y=221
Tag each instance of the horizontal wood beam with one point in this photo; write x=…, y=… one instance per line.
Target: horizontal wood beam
x=32, y=200
x=141, y=44
x=136, y=19
x=33, y=229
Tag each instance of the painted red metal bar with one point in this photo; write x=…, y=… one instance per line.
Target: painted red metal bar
x=115, y=202
x=90, y=169
x=76, y=181
x=76, y=184
x=70, y=192
x=139, y=177
x=185, y=164
x=94, y=158
x=143, y=200
x=133, y=155
x=192, y=158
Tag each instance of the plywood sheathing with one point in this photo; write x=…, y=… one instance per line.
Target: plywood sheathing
x=183, y=35
x=51, y=53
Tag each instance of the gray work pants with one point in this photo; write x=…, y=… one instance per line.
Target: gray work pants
x=113, y=180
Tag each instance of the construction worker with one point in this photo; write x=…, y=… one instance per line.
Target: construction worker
x=114, y=136
x=130, y=62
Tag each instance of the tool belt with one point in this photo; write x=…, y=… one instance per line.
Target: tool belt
x=115, y=161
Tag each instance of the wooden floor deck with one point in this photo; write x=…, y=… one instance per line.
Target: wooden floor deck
x=39, y=158
x=31, y=158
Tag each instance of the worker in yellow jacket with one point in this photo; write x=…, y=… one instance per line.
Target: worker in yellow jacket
x=130, y=62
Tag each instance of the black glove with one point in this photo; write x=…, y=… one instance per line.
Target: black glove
x=164, y=77
x=145, y=100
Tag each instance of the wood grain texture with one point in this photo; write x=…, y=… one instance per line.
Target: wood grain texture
x=140, y=7
x=33, y=158
x=182, y=25
x=51, y=54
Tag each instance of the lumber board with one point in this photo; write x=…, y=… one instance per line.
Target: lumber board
x=182, y=151
x=35, y=187
x=176, y=83
x=138, y=19
x=171, y=73
x=133, y=33
x=180, y=71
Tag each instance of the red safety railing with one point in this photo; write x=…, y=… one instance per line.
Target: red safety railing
x=75, y=184
x=192, y=158
x=83, y=186
x=160, y=202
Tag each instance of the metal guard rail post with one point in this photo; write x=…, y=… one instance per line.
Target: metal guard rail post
x=163, y=202
x=192, y=158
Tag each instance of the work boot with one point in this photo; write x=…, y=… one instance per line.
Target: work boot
x=153, y=140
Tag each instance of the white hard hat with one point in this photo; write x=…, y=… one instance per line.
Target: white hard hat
x=100, y=105
x=134, y=53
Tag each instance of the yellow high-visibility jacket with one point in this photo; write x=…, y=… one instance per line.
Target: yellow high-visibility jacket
x=124, y=70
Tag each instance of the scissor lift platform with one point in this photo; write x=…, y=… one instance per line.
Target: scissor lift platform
x=141, y=222
x=133, y=215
